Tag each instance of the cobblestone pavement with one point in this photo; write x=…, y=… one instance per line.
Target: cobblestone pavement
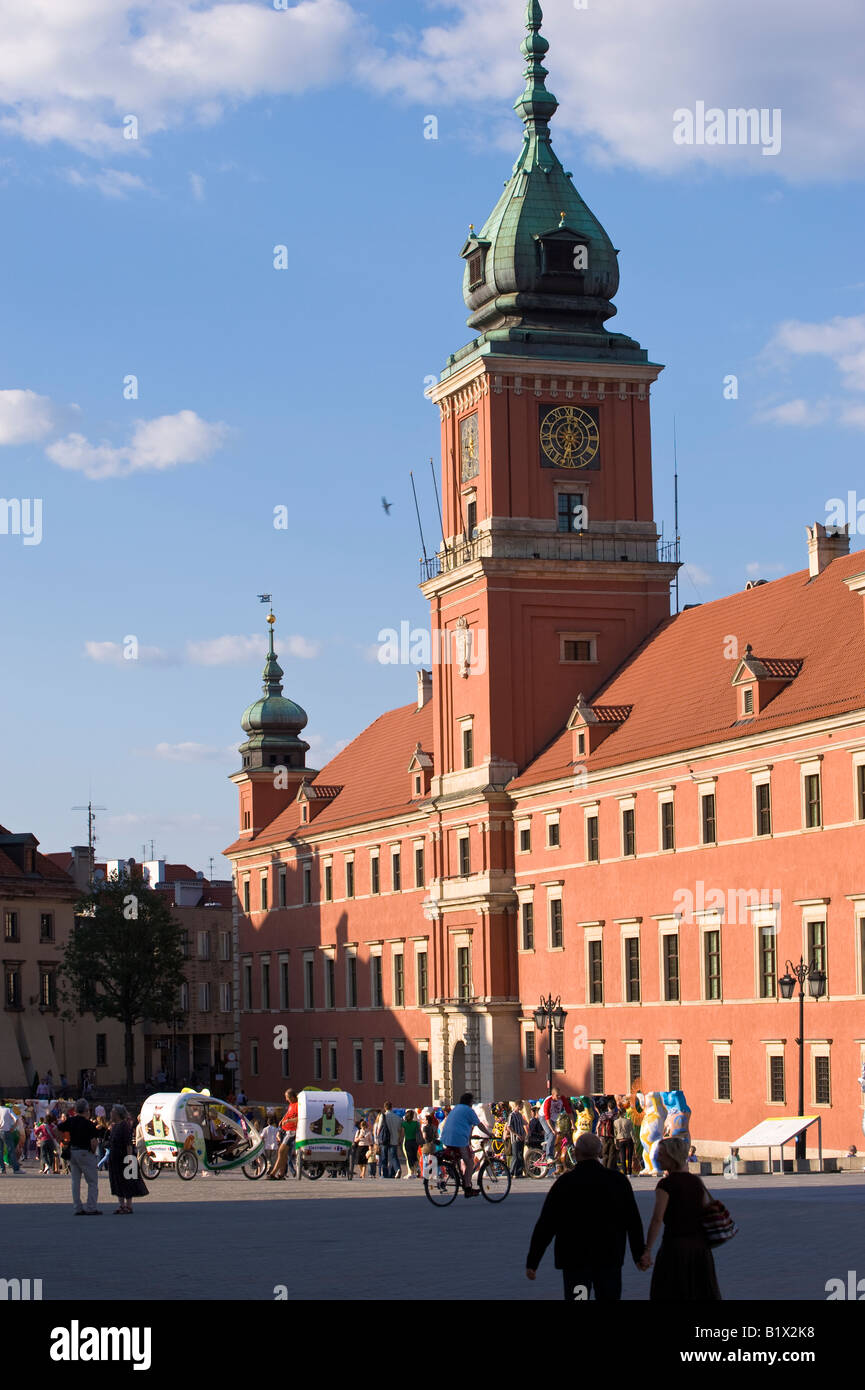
x=227, y=1238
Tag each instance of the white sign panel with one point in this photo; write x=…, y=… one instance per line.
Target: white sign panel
x=770, y=1134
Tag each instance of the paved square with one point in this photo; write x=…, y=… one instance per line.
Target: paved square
x=227, y=1238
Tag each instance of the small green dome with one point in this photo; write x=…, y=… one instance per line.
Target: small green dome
x=273, y=713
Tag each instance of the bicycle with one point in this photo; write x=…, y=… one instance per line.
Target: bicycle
x=444, y=1185
x=537, y=1165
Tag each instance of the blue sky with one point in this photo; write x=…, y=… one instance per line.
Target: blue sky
x=304, y=388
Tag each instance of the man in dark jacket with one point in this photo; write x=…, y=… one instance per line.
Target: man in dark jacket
x=590, y=1212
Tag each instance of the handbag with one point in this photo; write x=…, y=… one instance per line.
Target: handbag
x=718, y=1224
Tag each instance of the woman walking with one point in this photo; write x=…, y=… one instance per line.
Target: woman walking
x=123, y=1185
x=363, y=1143
x=684, y=1270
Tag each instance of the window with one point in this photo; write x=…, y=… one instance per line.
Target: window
x=399, y=980
x=349, y=878
x=357, y=1054
x=247, y=985
x=529, y=1049
x=374, y=875
x=351, y=980
x=569, y=511
x=860, y=792
x=328, y=883
x=670, y=954
x=777, y=1086
x=47, y=989
x=558, y=1049
x=101, y=1049
x=748, y=700
x=417, y=785
x=817, y=945
x=472, y=518
x=376, y=982
x=593, y=853
x=668, y=829
x=283, y=983
x=632, y=969
x=262, y=891
x=763, y=808
x=476, y=269
x=265, y=984
x=712, y=963
x=307, y=883
x=204, y=997
x=553, y=833
x=822, y=1092
x=308, y=982
x=577, y=649
x=422, y=979
x=635, y=1066
x=225, y=945
x=204, y=945
x=527, y=913
x=284, y=1061
x=396, y=870
x=723, y=1086
x=862, y=955
x=707, y=808
x=813, y=808
x=253, y=1057
x=316, y=1061
x=598, y=1086
x=378, y=1054
x=468, y=746
x=184, y=993
x=10, y=926
x=399, y=1061
x=674, y=1072
x=281, y=880
x=629, y=839
x=768, y=963
x=184, y=943
x=418, y=866
x=557, y=934
x=332, y=1069
x=525, y=839
x=247, y=819
x=464, y=856
x=464, y=973
x=246, y=893
x=329, y=982
x=596, y=971
x=46, y=926
x=225, y=997
x=423, y=1063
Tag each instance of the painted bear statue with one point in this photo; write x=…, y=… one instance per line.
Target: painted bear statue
x=652, y=1130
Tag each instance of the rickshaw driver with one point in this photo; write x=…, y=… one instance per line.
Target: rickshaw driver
x=456, y=1133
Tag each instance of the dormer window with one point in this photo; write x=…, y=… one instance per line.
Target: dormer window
x=761, y=679
x=562, y=252
x=476, y=268
x=748, y=700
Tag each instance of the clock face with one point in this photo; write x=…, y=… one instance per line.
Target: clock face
x=569, y=437
x=469, y=459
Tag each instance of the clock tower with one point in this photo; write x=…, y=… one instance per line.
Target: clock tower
x=552, y=569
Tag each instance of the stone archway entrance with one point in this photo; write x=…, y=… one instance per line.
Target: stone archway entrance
x=458, y=1071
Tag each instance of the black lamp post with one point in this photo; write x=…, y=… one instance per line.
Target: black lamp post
x=550, y=1014
x=816, y=988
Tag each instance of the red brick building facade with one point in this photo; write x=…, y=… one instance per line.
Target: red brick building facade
x=645, y=815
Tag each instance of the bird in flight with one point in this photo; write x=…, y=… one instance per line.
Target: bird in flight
x=387, y=506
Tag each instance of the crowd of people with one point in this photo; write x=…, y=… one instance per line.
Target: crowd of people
x=66, y=1139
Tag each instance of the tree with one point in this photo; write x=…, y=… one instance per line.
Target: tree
x=124, y=958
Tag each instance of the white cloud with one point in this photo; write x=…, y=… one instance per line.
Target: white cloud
x=192, y=752
x=755, y=568
x=112, y=654
x=25, y=417
x=795, y=412
x=196, y=183
x=156, y=444
x=113, y=183
x=238, y=650
x=841, y=341
x=700, y=577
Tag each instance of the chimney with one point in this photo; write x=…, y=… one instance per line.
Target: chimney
x=825, y=544
x=424, y=688
x=81, y=865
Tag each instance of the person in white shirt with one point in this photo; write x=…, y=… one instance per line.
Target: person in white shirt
x=99, y=1112
x=270, y=1135
x=8, y=1139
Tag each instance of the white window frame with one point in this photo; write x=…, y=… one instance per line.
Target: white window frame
x=811, y=767
x=307, y=884
x=317, y=1061
x=592, y=810
x=423, y=1051
x=553, y=818
x=308, y=957
x=816, y=912
x=724, y=1049
x=820, y=1049
x=351, y=954
x=668, y=927
x=264, y=880
x=328, y=994
x=672, y=1050
x=629, y=930
x=858, y=761
x=762, y=778
x=398, y=951
x=665, y=798
x=374, y=858
x=467, y=725
x=627, y=803
x=357, y=1056
x=421, y=949
x=555, y=894
x=593, y=933
x=399, y=1051
x=775, y=1049
x=710, y=921
x=377, y=1057
x=524, y=824
x=570, y=490
x=376, y=953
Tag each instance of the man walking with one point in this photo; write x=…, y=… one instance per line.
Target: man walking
x=590, y=1212
x=623, y=1130
x=517, y=1135
x=286, y=1153
x=8, y=1139
x=390, y=1137
x=552, y=1109
x=82, y=1159
x=607, y=1134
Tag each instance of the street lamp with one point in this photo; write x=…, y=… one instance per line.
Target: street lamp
x=550, y=1014
x=816, y=988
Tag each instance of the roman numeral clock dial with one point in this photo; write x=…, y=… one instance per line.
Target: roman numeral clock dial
x=569, y=437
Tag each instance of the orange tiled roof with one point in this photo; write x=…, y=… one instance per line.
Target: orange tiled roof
x=679, y=680
x=371, y=771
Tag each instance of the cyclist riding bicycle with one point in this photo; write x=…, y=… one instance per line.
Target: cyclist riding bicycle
x=456, y=1133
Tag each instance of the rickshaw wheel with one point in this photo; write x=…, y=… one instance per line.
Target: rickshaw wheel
x=315, y=1171
x=255, y=1168
x=187, y=1165
x=149, y=1168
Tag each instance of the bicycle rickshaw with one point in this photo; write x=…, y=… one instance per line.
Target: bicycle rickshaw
x=190, y=1130
x=325, y=1132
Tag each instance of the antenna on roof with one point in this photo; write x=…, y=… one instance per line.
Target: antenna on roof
x=91, y=834
x=210, y=867
x=438, y=504
x=417, y=509
x=676, y=508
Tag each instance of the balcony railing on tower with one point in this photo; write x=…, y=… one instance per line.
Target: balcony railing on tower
x=584, y=546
